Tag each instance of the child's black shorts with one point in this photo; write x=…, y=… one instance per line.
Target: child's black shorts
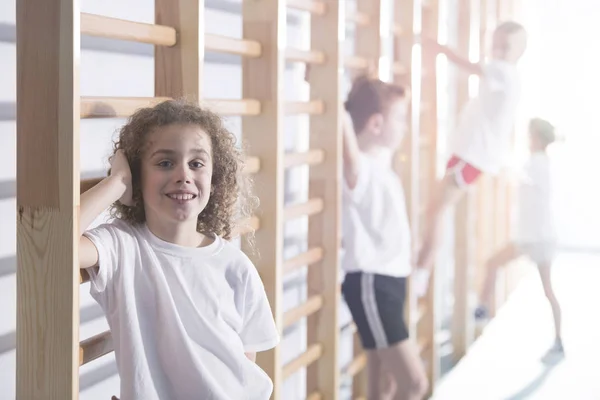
x=376, y=303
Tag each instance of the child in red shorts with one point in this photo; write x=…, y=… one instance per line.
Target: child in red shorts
x=483, y=136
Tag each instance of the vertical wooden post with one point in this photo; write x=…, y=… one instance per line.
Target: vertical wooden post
x=178, y=69
x=462, y=321
x=47, y=200
x=406, y=160
x=265, y=22
x=368, y=38
x=324, y=229
x=428, y=133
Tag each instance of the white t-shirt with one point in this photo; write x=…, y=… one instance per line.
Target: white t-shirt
x=182, y=318
x=534, y=212
x=484, y=131
x=375, y=229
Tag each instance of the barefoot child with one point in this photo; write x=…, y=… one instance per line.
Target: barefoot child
x=535, y=235
x=376, y=239
x=483, y=135
x=186, y=309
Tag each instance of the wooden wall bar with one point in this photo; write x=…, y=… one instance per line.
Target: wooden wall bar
x=262, y=79
x=324, y=230
x=47, y=362
x=48, y=343
x=465, y=217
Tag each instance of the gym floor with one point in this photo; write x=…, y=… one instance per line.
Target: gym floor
x=506, y=362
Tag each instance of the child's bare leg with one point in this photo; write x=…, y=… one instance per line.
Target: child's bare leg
x=446, y=195
x=380, y=383
x=505, y=255
x=403, y=362
x=545, y=275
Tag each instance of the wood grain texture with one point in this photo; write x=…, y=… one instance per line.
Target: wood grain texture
x=47, y=199
x=262, y=79
x=324, y=228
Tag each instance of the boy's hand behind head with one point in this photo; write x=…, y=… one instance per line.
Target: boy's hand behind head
x=119, y=168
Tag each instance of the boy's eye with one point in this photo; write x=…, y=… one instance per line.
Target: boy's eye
x=165, y=164
x=197, y=164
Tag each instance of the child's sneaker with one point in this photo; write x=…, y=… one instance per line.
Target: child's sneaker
x=481, y=313
x=554, y=353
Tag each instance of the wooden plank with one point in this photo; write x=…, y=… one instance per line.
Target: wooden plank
x=324, y=229
x=368, y=37
x=230, y=45
x=312, y=354
x=356, y=63
x=309, y=257
x=310, y=157
x=178, y=69
x=310, y=306
x=315, y=7
x=47, y=357
x=464, y=220
x=265, y=22
x=313, y=107
x=307, y=209
x=357, y=364
x=406, y=160
x=114, y=28
x=95, y=347
x=305, y=56
x=361, y=18
x=428, y=125
x=112, y=107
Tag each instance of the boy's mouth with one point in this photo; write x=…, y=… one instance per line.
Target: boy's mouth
x=182, y=196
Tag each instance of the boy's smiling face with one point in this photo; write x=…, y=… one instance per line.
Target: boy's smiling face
x=176, y=174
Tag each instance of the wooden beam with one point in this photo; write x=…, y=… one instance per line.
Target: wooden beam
x=324, y=228
x=464, y=219
x=178, y=69
x=114, y=28
x=315, y=7
x=306, y=209
x=47, y=365
x=306, y=359
x=426, y=328
x=230, y=45
x=265, y=22
x=368, y=37
x=406, y=160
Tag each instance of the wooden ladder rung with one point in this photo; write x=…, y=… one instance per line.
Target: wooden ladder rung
x=397, y=30
x=356, y=62
x=356, y=365
x=312, y=354
x=309, y=307
x=399, y=69
x=311, y=207
x=316, y=7
x=95, y=347
x=314, y=396
x=310, y=257
x=114, y=28
x=123, y=107
x=310, y=157
x=306, y=56
x=230, y=45
x=314, y=107
x=359, y=18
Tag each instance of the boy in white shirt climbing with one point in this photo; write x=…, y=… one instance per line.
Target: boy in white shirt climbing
x=482, y=139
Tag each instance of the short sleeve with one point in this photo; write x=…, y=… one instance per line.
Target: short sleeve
x=106, y=239
x=362, y=183
x=259, y=332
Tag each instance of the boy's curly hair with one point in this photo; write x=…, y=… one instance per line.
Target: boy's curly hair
x=231, y=201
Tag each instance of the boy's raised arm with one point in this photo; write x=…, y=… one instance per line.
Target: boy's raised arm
x=97, y=199
x=350, y=150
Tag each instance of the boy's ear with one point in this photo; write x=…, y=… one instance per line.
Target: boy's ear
x=375, y=124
